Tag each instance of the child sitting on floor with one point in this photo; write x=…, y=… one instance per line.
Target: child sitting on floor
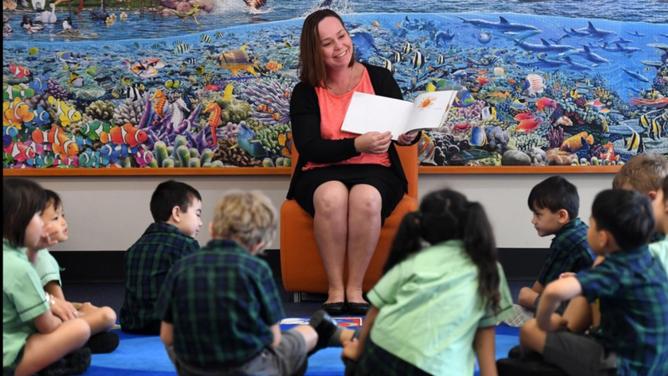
x=660, y=208
x=176, y=208
x=34, y=339
x=555, y=204
x=100, y=319
x=440, y=298
x=645, y=173
x=632, y=288
x=220, y=306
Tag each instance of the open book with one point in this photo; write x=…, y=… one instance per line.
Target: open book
x=368, y=112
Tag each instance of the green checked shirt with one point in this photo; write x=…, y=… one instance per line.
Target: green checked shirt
x=569, y=252
x=146, y=265
x=23, y=300
x=222, y=302
x=633, y=291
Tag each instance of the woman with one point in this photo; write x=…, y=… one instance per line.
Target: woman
x=349, y=183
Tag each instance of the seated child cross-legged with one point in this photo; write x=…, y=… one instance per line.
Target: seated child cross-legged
x=34, y=338
x=631, y=287
x=555, y=204
x=220, y=306
x=440, y=298
x=100, y=319
x=176, y=208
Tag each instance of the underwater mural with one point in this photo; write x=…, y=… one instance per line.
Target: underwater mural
x=204, y=83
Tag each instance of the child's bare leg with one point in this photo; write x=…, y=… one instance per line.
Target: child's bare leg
x=43, y=349
x=532, y=337
x=100, y=319
x=309, y=334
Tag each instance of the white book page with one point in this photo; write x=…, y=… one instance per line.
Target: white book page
x=431, y=109
x=368, y=112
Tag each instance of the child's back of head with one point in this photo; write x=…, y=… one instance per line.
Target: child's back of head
x=21, y=200
x=448, y=215
x=555, y=193
x=169, y=194
x=642, y=173
x=248, y=218
x=627, y=215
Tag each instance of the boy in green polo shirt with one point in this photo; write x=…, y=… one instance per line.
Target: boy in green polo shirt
x=220, y=307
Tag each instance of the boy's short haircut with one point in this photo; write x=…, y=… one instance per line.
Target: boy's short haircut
x=626, y=214
x=52, y=198
x=643, y=172
x=248, y=217
x=169, y=194
x=555, y=193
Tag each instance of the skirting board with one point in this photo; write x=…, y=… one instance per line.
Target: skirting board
x=108, y=266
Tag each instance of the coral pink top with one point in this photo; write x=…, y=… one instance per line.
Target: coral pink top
x=332, y=112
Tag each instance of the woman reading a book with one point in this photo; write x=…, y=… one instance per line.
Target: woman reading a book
x=349, y=183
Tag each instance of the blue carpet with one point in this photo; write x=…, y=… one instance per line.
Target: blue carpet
x=139, y=355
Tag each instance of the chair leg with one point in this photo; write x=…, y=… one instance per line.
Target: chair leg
x=296, y=297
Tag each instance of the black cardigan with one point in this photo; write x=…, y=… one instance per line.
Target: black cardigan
x=305, y=120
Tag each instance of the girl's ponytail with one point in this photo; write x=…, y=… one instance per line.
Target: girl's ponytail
x=480, y=246
x=407, y=241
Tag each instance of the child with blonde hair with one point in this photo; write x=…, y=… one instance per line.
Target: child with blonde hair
x=220, y=306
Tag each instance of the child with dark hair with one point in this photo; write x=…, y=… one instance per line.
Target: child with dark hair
x=443, y=292
x=220, y=306
x=100, y=319
x=34, y=337
x=176, y=208
x=632, y=288
x=555, y=204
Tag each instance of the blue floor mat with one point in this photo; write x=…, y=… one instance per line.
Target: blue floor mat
x=140, y=355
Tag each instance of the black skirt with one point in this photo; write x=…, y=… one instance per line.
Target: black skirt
x=380, y=177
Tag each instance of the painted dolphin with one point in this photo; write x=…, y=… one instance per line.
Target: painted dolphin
x=544, y=47
x=594, y=32
x=635, y=75
x=503, y=24
x=593, y=56
x=576, y=66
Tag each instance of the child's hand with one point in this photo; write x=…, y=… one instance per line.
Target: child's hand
x=63, y=309
x=351, y=349
x=566, y=275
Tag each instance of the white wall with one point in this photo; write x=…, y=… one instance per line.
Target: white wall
x=110, y=213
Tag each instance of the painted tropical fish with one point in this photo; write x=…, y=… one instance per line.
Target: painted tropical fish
x=576, y=142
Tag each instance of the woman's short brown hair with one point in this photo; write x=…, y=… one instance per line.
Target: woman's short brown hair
x=311, y=66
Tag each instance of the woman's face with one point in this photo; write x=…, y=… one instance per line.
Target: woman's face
x=336, y=46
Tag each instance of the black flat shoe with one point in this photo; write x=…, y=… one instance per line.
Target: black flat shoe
x=358, y=308
x=102, y=343
x=335, y=309
x=325, y=326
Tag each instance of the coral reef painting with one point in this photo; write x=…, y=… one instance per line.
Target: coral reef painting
x=203, y=83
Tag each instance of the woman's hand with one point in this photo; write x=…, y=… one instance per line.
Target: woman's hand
x=373, y=142
x=407, y=138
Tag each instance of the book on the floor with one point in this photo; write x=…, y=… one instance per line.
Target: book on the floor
x=368, y=112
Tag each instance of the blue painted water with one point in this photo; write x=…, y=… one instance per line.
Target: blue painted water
x=148, y=24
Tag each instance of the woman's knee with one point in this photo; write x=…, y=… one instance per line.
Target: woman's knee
x=365, y=200
x=330, y=198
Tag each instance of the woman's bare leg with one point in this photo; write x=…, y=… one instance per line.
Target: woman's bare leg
x=43, y=349
x=364, y=206
x=330, y=225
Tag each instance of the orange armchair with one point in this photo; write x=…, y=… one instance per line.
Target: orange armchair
x=301, y=265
